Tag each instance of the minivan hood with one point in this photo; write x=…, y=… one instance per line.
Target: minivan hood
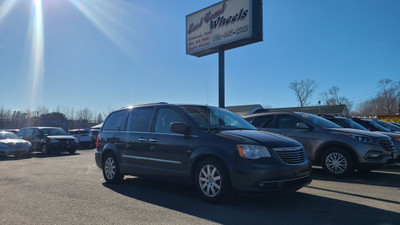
x=265, y=138
x=360, y=132
x=61, y=137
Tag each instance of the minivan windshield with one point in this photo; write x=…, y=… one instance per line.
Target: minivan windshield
x=319, y=121
x=213, y=118
x=53, y=131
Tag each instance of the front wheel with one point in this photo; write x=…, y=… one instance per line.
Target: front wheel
x=45, y=149
x=337, y=162
x=212, y=181
x=111, y=172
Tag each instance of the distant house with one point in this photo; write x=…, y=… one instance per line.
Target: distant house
x=332, y=110
x=243, y=110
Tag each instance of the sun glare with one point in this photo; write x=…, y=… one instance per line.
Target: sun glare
x=5, y=8
x=37, y=52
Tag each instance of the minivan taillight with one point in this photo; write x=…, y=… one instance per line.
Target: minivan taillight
x=97, y=142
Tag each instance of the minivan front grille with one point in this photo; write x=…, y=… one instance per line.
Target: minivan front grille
x=291, y=155
x=387, y=145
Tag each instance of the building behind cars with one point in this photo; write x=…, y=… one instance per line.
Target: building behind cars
x=340, y=151
x=216, y=150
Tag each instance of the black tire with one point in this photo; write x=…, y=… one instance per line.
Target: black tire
x=212, y=181
x=72, y=151
x=111, y=171
x=44, y=149
x=337, y=162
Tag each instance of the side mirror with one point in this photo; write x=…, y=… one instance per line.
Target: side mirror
x=179, y=128
x=303, y=126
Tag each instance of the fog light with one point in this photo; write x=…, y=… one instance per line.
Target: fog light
x=373, y=155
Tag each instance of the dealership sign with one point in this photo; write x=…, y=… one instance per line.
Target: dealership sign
x=225, y=25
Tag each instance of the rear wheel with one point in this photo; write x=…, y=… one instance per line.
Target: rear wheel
x=212, y=181
x=337, y=162
x=111, y=172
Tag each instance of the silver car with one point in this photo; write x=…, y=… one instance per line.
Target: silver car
x=11, y=144
x=339, y=150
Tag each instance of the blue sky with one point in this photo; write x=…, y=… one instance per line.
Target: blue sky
x=113, y=53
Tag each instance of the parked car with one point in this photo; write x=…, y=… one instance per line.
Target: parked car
x=94, y=132
x=49, y=139
x=12, y=130
x=215, y=149
x=83, y=136
x=370, y=125
x=349, y=123
x=393, y=128
x=11, y=144
x=339, y=150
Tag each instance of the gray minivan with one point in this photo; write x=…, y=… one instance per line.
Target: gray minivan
x=216, y=150
x=339, y=150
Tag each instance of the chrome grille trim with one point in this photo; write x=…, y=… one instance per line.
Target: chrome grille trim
x=291, y=155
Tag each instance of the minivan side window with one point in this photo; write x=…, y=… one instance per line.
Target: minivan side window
x=28, y=133
x=140, y=119
x=164, y=119
x=116, y=121
x=259, y=121
x=288, y=122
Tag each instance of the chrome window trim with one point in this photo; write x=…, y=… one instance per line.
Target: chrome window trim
x=151, y=159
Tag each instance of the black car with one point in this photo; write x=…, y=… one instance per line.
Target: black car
x=218, y=151
x=370, y=124
x=49, y=139
x=392, y=127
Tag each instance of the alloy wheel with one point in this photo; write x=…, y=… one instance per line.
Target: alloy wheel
x=210, y=180
x=110, y=168
x=336, y=163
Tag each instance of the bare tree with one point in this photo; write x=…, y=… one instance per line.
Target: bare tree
x=389, y=94
x=332, y=98
x=303, y=90
x=85, y=114
x=99, y=118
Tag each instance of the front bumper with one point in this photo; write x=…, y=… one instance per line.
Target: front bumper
x=14, y=151
x=275, y=177
x=60, y=147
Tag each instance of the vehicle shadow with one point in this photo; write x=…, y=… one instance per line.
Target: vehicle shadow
x=12, y=157
x=53, y=154
x=385, y=177
x=296, y=208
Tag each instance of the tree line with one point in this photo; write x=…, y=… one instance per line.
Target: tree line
x=385, y=102
x=41, y=116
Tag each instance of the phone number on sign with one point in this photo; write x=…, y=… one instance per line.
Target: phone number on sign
x=231, y=33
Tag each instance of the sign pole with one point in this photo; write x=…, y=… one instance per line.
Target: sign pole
x=221, y=77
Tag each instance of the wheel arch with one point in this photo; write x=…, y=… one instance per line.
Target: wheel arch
x=320, y=151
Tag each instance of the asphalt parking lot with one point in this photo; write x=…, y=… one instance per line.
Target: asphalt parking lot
x=70, y=189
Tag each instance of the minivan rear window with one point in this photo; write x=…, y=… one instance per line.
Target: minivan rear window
x=116, y=121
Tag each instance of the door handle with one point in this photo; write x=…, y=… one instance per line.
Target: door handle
x=153, y=140
x=141, y=139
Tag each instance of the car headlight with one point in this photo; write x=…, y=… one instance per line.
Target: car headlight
x=53, y=141
x=361, y=138
x=253, y=151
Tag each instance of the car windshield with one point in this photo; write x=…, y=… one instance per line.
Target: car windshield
x=319, y=121
x=378, y=126
x=352, y=124
x=388, y=125
x=212, y=118
x=4, y=135
x=53, y=131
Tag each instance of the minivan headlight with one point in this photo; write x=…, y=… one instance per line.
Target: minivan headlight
x=253, y=151
x=363, y=139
